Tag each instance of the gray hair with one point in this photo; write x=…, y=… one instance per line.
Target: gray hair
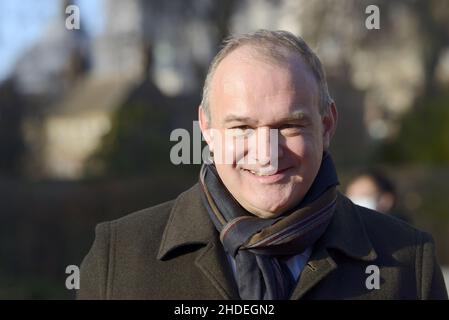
x=273, y=45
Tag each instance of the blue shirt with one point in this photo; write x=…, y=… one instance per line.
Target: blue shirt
x=295, y=263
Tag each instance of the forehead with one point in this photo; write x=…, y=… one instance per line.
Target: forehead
x=244, y=78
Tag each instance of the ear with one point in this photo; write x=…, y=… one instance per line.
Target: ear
x=329, y=121
x=205, y=126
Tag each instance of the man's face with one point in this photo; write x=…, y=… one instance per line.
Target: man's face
x=248, y=98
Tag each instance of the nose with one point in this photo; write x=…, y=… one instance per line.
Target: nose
x=268, y=148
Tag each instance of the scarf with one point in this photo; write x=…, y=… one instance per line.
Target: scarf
x=260, y=246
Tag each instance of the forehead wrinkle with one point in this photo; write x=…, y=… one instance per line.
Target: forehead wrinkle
x=238, y=82
x=295, y=82
x=296, y=115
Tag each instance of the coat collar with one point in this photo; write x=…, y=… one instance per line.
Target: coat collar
x=347, y=232
x=189, y=224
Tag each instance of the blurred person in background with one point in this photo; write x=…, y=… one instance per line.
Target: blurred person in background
x=372, y=189
x=271, y=228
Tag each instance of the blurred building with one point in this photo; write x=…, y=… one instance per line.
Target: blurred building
x=78, y=83
x=73, y=83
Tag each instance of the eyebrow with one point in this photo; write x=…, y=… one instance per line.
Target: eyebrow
x=295, y=116
x=236, y=118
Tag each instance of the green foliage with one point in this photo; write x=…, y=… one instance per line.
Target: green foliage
x=137, y=142
x=424, y=135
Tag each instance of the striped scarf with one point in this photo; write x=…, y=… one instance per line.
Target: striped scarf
x=260, y=246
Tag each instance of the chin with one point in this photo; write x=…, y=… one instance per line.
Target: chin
x=271, y=209
x=267, y=215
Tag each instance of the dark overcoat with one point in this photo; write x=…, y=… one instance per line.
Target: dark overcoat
x=172, y=251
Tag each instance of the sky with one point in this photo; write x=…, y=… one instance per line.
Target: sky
x=22, y=24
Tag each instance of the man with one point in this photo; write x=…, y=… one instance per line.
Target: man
x=264, y=225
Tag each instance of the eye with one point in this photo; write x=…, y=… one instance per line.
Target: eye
x=242, y=130
x=291, y=128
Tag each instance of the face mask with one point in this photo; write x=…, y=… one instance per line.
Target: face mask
x=367, y=202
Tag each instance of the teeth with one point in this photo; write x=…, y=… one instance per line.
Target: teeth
x=259, y=174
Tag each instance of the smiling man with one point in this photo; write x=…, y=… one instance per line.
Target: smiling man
x=265, y=220
x=257, y=87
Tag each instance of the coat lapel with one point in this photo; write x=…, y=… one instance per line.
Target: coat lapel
x=345, y=233
x=319, y=266
x=190, y=225
x=213, y=263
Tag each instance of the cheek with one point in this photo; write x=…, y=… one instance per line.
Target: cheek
x=227, y=149
x=236, y=149
x=296, y=147
x=305, y=146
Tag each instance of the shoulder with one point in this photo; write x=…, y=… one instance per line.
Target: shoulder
x=140, y=227
x=399, y=243
x=394, y=240
x=387, y=229
x=122, y=244
x=146, y=225
x=133, y=222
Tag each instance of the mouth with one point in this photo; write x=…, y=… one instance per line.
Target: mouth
x=268, y=176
